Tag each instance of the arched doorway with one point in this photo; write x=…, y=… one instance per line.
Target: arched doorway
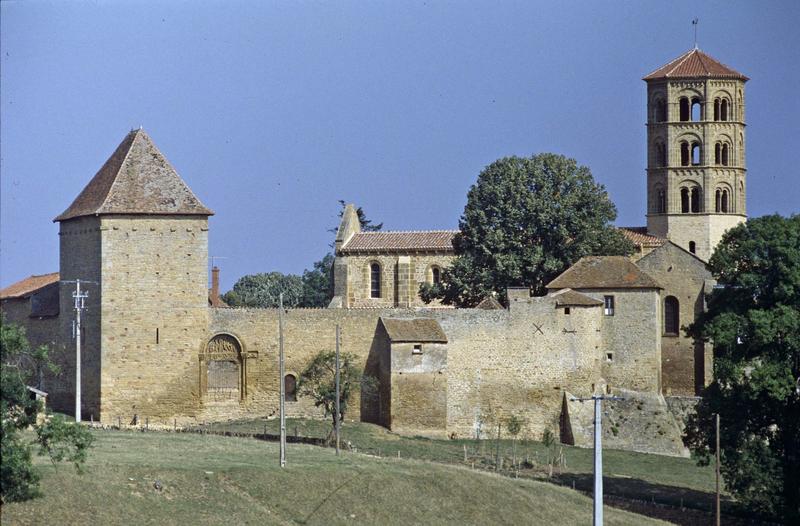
x=223, y=369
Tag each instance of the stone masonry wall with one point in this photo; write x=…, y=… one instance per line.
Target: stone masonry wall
x=154, y=314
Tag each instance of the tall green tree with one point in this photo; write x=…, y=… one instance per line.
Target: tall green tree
x=318, y=283
x=753, y=321
x=19, y=366
x=526, y=220
x=318, y=381
x=263, y=290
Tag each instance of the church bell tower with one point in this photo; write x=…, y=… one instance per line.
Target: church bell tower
x=696, y=176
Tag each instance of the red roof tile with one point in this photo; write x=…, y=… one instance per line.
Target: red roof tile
x=28, y=286
x=638, y=236
x=136, y=179
x=695, y=63
x=434, y=240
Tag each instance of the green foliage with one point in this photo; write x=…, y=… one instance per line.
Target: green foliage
x=526, y=220
x=62, y=440
x=366, y=224
x=514, y=425
x=753, y=320
x=263, y=291
x=318, y=381
x=19, y=364
x=318, y=283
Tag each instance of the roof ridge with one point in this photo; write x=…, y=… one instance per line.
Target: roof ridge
x=409, y=232
x=668, y=64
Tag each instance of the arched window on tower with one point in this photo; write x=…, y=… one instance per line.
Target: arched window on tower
x=724, y=201
x=740, y=204
x=684, y=109
x=723, y=111
x=684, y=200
x=375, y=280
x=718, y=200
x=696, y=200
x=661, y=201
x=716, y=109
x=697, y=110
x=671, y=316
x=696, y=153
x=684, y=154
x=661, y=154
x=717, y=153
x=725, y=154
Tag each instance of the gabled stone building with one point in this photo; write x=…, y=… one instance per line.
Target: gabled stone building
x=157, y=344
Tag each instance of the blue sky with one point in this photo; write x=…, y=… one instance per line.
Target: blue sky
x=272, y=112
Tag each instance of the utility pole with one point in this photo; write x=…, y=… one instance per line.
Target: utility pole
x=282, y=384
x=338, y=413
x=79, y=298
x=717, y=496
x=598, y=453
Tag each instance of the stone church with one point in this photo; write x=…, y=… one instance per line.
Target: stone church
x=157, y=342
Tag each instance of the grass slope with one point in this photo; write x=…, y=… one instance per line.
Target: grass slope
x=219, y=480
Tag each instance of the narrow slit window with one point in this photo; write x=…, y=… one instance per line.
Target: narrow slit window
x=608, y=305
x=375, y=281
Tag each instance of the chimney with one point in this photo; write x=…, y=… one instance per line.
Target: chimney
x=215, y=301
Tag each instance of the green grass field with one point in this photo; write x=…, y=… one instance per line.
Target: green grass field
x=209, y=479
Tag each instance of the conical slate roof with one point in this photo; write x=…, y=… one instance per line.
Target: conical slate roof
x=136, y=179
x=695, y=63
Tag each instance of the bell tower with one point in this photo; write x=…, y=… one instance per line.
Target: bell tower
x=696, y=176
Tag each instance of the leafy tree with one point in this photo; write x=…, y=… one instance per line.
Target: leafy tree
x=753, y=320
x=263, y=290
x=366, y=224
x=514, y=426
x=19, y=364
x=318, y=381
x=318, y=283
x=526, y=220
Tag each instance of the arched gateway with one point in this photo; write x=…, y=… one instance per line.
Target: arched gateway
x=223, y=369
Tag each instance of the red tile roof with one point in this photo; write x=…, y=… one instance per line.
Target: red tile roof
x=604, y=272
x=136, y=179
x=28, y=286
x=434, y=240
x=638, y=236
x=695, y=63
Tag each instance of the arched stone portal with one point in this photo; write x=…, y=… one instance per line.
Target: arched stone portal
x=223, y=369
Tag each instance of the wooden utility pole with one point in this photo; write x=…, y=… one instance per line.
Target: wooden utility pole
x=282, y=382
x=717, y=496
x=338, y=413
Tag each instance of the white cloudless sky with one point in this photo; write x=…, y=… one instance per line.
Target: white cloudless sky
x=273, y=111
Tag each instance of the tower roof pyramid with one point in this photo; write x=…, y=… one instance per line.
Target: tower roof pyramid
x=136, y=179
x=692, y=64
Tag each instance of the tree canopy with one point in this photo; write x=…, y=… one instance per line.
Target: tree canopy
x=753, y=320
x=21, y=365
x=526, y=220
x=318, y=283
x=263, y=290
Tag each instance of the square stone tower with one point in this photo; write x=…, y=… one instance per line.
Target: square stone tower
x=141, y=236
x=695, y=151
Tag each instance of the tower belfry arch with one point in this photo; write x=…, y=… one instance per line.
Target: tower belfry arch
x=696, y=174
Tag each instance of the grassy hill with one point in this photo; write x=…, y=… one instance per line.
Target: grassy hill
x=218, y=480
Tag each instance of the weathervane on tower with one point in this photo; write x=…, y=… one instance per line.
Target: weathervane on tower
x=695, y=22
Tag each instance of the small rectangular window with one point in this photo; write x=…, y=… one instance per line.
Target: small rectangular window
x=609, y=357
x=608, y=302
x=566, y=310
x=417, y=349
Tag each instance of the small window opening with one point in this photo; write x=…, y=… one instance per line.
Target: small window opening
x=684, y=154
x=724, y=110
x=697, y=110
x=695, y=200
x=684, y=109
x=661, y=206
x=290, y=388
x=608, y=305
x=696, y=153
x=417, y=349
x=692, y=247
x=156, y=335
x=724, y=155
x=436, y=275
x=375, y=281
x=661, y=111
x=716, y=109
x=717, y=153
x=566, y=311
x=724, y=202
x=671, y=316
x=684, y=200
x=718, y=201
x=609, y=357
